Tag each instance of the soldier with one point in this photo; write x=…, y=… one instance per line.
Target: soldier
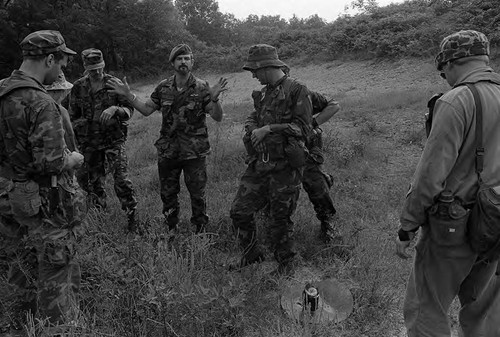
x=445, y=184
x=316, y=181
x=183, y=100
x=59, y=90
x=41, y=208
x=275, y=136
x=99, y=118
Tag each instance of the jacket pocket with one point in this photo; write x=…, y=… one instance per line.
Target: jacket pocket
x=25, y=198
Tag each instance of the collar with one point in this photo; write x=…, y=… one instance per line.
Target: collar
x=278, y=83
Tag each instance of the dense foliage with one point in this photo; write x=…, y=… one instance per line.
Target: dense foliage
x=136, y=35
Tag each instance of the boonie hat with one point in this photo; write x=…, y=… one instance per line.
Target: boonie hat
x=59, y=84
x=92, y=59
x=44, y=42
x=182, y=49
x=262, y=56
x=462, y=44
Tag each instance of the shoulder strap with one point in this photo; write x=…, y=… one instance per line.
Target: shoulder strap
x=479, y=131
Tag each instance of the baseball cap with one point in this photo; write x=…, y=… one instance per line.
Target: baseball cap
x=44, y=42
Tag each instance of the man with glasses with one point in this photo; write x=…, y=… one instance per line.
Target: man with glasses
x=40, y=209
x=445, y=265
x=100, y=119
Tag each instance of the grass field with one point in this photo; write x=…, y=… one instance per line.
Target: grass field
x=149, y=286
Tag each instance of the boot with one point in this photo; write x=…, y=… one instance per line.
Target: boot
x=251, y=256
x=329, y=233
x=132, y=226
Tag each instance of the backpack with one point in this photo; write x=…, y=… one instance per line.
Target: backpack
x=483, y=227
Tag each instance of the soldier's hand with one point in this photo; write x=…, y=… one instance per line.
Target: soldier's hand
x=75, y=160
x=259, y=134
x=260, y=147
x=217, y=88
x=118, y=87
x=108, y=114
x=402, y=245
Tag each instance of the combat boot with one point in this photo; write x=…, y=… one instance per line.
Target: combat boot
x=329, y=232
x=250, y=256
x=132, y=225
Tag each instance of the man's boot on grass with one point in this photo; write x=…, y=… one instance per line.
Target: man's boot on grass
x=252, y=253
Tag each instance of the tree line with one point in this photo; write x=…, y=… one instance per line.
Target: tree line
x=136, y=36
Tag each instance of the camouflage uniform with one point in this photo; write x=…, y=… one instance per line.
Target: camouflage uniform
x=39, y=224
x=276, y=174
x=316, y=182
x=103, y=146
x=183, y=146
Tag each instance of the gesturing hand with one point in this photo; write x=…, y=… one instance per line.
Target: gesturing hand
x=217, y=88
x=118, y=87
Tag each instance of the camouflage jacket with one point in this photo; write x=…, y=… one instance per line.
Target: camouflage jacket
x=315, y=142
x=287, y=102
x=32, y=142
x=85, y=110
x=184, y=133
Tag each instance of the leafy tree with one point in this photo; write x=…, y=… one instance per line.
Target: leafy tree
x=204, y=20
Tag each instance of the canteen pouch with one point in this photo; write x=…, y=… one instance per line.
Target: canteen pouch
x=484, y=223
x=24, y=198
x=448, y=223
x=295, y=152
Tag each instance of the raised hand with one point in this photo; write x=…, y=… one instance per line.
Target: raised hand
x=119, y=87
x=217, y=88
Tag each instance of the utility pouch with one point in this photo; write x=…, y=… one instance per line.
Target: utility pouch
x=448, y=223
x=275, y=144
x=295, y=152
x=247, y=141
x=484, y=223
x=24, y=198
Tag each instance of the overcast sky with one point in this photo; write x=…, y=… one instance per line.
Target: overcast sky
x=326, y=9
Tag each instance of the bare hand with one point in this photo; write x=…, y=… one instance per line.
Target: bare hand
x=261, y=147
x=119, y=87
x=259, y=134
x=75, y=160
x=217, y=88
x=402, y=246
x=108, y=114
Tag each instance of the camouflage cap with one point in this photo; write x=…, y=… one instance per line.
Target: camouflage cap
x=59, y=84
x=92, y=59
x=262, y=56
x=44, y=42
x=462, y=44
x=182, y=49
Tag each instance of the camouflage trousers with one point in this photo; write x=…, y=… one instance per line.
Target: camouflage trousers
x=276, y=183
x=317, y=184
x=37, y=246
x=92, y=176
x=195, y=178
